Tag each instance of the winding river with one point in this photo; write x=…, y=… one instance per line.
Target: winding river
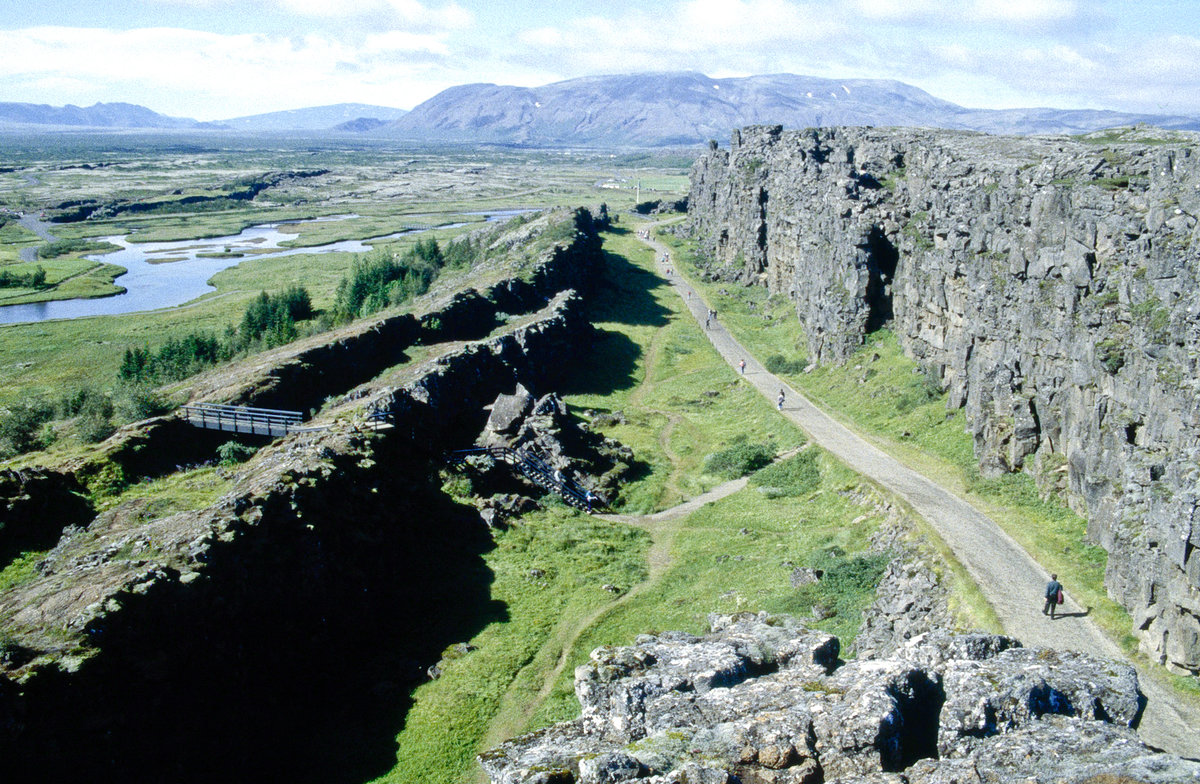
x=180, y=274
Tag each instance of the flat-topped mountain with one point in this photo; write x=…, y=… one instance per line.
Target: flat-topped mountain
x=680, y=108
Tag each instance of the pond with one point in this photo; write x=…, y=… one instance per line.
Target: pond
x=166, y=274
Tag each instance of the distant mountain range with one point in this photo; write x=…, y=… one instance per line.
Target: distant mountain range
x=631, y=110
x=356, y=117
x=101, y=115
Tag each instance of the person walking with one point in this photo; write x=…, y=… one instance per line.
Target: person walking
x=742, y=366
x=1054, y=596
x=779, y=402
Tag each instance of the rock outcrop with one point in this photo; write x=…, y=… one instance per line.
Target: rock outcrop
x=763, y=699
x=1051, y=284
x=543, y=428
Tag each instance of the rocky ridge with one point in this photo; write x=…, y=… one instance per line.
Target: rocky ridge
x=1049, y=283
x=147, y=640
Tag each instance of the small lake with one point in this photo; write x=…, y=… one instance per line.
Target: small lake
x=179, y=276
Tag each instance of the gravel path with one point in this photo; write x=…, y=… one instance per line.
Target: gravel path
x=38, y=227
x=1008, y=577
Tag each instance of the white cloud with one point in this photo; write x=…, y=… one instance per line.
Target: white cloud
x=215, y=76
x=717, y=37
x=450, y=16
x=398, y=41
x=938, y=13
x=895, y=10
x=1025, y=10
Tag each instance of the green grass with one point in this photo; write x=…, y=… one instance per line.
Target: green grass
x=681, y=403
x=182, y=491
x=548, y=571
x=737, y=555
x=796, y=475
x=20, y=570
x=69, y=277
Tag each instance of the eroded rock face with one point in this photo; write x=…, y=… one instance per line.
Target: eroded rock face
x=1052, y=287
x=763, y=699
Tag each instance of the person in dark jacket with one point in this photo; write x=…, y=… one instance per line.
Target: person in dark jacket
x=1053, y=596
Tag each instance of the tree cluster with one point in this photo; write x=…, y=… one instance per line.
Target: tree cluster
x=17, y=280
x=270, y=320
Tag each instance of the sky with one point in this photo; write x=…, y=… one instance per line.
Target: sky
x=219, y=59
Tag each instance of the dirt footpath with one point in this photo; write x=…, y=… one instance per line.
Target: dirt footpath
x=1008, y=577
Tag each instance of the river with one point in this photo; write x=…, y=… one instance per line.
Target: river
x=151, y=286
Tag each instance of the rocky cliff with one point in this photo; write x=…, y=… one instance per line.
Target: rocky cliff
x=274, y=631
x=1052, y=284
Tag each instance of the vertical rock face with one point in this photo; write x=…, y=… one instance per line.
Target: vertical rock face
x=1051, y=284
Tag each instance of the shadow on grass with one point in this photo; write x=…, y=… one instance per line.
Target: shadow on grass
x=625, y=296
x=606, y=368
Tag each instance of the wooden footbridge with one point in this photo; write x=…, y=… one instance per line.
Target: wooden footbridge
x=242, y=419
x=536, y=470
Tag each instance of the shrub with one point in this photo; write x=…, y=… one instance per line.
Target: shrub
x=231, y=453
x=135, y=402
x=781, y=365
x=1111, y=354
x=797, y=475
x=93, y=412
x=738, y=460
x=104, y=479
x=17, y=280
x=20, y=426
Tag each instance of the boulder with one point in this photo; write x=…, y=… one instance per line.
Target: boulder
x=508, y=411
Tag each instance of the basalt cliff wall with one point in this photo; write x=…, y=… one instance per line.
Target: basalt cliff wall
x=1052, y=284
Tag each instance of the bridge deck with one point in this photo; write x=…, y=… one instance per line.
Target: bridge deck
x=242, y=419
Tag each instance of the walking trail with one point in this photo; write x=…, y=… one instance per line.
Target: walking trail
x=39, y=228
x=1008, y=577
